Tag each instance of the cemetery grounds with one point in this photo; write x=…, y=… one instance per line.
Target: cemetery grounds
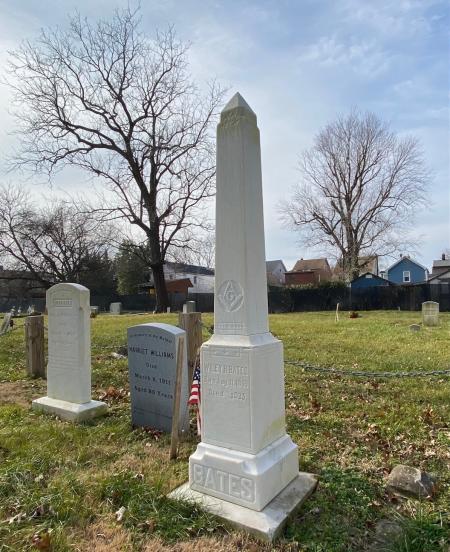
x=64, y=486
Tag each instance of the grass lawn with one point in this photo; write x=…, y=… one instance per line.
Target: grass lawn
x=71, y=479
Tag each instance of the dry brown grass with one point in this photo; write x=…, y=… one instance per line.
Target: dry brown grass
x=105, y=536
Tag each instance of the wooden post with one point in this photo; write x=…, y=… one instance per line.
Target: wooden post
x=191, y=323
x=176, y=402
x=34, y=345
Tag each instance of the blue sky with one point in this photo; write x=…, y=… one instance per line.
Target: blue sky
x=298, y=64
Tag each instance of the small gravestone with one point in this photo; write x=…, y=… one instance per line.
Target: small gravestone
x=188, y=307
x=6, y=323
x=94, y=312
x=69, y=355
x=115, y=308
x=152, y=364
x=430, y=313
x=415, y=327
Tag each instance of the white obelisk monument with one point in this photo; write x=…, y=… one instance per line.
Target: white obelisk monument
x=245, y=457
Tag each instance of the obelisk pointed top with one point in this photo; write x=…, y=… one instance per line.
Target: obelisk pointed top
x=237, y=101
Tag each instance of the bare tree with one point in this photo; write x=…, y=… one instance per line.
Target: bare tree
x=122, y=107
x=360, y=184
x=46, y=245
x=199, y=250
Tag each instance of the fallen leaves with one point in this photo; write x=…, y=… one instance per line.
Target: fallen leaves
x=112, y=393
x=154, y=433
x=42, y=540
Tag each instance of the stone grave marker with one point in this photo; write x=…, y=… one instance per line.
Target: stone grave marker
x=430, y=313
x=6, y=323
x=69, y=355
x=94, y=311
x=188, y=307
x=115, y=308
x=246, y=467
x=152, y=363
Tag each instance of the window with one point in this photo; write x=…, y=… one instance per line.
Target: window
x=406, y=276
x=368, y=275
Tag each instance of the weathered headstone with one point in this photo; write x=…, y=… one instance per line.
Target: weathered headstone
x=188, y=307
x=430, y=313
x=115, y=308
x=69, y=355
x=152, y=362
x=415, y=327
x=6, y=323
x=246, y=467
x=94, y=312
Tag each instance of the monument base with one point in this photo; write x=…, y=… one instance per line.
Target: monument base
x=250, y=480
x=72, y=412
x=267, y=524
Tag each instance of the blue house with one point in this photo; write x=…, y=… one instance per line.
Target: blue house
x=368, y=280
x=407, y=271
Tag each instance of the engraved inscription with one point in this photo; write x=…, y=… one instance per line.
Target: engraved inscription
x=231, y=295
x=230, y=327
x=226, y=381
x=224, y=483
x=57, y=302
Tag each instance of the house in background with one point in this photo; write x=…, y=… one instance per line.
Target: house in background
x=368, y=263
x=440, y=273
x=407, y=271
x=440, y=266
x=201, y=279
x=181, y=286
x=369, y=280
x=275, y=273
x=309, y=271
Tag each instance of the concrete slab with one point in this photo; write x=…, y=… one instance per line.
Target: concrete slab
x=267, y=524
x=72, y=412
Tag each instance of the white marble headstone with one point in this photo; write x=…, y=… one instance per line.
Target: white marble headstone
x=69, y=354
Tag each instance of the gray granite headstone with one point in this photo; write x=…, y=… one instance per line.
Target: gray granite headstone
x=152, y=364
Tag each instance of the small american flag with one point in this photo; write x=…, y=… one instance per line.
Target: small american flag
x=194, y=397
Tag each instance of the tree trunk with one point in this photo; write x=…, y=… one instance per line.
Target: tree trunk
x=162, y=297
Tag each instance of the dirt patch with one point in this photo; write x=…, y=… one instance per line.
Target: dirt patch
x=20, y=392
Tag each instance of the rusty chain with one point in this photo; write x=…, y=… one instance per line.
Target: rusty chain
x=362, y=374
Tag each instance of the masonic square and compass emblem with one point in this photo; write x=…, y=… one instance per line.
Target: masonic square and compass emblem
x=231, y=295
